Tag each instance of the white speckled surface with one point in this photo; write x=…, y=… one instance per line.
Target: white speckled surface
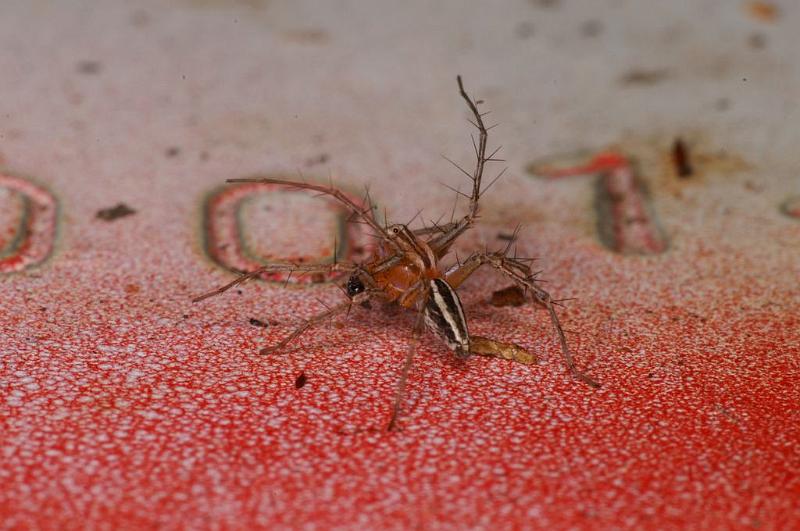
x=123, y=405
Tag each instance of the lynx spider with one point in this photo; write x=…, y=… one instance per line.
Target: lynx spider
x=405, y=269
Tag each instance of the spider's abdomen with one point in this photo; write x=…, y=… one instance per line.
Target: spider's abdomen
x=444, y=316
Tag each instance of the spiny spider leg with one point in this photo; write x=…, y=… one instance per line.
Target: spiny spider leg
x=365, y=213
x=339, y=267
x=441, y=243
x=520, y=273
x=401, y=383
x=317, y=319
x=370, y=205
x=434, y=229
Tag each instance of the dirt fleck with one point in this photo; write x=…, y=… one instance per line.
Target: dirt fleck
x=322, y=158
x=131, y=289
x=510, y=296
x=753, y=186
x=259, y=323
x=300, y=381
x=172, y=151
x=140, y=18
x=214, y=4
x=118, y=211
x=591, y=28
x=708, y=160
x=89, y=67
x=763, y=11
x=547, y=4
x=314, y=36
x=722, y=104
x=680, y=159
x=757, y=41
x=644, y=77
x=524, y=30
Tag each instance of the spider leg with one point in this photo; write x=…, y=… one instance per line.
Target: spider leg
x=314, y=321
x=276, y=268
x=449, y=233
x=366, y=213
x=401, y=383
x=456, y=275
x=435, y=229
x=520, y=273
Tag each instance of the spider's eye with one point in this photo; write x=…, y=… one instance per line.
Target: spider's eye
x=395, y=230
x=354, y=286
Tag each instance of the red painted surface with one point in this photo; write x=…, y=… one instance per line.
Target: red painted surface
x=123, y=405
x=32, y=229
x=623, y=206
x=227, y=227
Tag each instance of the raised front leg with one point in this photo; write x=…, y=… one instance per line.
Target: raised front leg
x=365, y=212
x=444, y=236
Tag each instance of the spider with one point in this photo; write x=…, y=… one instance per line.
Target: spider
x=406, y=269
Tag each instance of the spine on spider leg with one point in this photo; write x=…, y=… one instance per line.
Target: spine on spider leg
x=444, y=316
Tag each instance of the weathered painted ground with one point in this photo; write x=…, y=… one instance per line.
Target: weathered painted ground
x=124, y=405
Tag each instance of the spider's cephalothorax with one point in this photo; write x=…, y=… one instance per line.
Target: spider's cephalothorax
x=416, y=282
x=401, y=265
x=404, y=269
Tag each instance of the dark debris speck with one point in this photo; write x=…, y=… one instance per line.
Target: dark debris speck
x=89, y=67
x=118, y=211
x=680, y=159
x=643, y=77
x=510, y=296
x=591, y=28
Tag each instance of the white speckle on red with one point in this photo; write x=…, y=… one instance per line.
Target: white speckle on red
x=118, y=412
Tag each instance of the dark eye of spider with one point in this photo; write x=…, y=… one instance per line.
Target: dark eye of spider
x=354, y=286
